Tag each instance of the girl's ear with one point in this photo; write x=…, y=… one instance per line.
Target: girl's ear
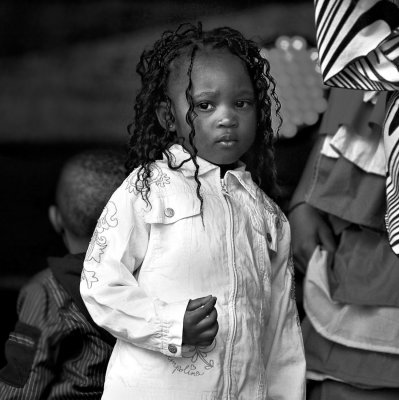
x=164, y=119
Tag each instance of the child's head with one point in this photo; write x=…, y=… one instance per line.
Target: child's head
x=209, y=91
x=223, y=103
x=84, y=187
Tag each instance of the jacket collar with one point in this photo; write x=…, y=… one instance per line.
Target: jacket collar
x=243, y=177
x=274, y=216
x=183, y=158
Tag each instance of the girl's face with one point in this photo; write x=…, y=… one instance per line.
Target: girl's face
x=224, y=102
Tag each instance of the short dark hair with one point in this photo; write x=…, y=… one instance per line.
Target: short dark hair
x=86, y=182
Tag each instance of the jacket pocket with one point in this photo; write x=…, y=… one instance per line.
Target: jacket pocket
x=172, y=208
x=20, y=350
x=175, y=221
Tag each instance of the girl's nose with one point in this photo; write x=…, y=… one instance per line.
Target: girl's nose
x=228, y=120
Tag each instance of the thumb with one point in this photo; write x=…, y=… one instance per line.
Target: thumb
x=197, y=303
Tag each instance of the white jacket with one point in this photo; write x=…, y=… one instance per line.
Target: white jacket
x=145, y=263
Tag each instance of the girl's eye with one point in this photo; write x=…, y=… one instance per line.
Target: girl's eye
x=205, y=106
x=244, y=103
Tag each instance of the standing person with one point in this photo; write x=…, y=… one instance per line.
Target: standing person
x=191, y=223
x=337, y=223
x=56, y=351
x=358, y=45
x=351, y=332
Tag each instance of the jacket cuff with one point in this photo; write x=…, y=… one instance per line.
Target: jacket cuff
x=172, y=328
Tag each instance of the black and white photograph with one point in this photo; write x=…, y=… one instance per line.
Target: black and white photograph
x=200, y=200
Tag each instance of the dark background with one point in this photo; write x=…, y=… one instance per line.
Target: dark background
x=47, y=24
x=67, y=82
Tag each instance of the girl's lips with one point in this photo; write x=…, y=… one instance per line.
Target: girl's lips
x=227, y=143
x=226, y=139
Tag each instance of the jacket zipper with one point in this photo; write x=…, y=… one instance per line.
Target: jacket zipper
x=232, y=306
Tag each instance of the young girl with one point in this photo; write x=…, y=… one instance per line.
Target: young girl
x=190, y=223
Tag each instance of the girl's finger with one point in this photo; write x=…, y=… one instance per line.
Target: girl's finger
x=208, y=321
x=205, y=344
x=197, y=303
x=209, y=334
x=200, y=313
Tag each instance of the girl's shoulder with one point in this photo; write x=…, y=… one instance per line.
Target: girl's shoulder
x=264, y=205
x=275, y=218
x=271, y=207
x=161, y=181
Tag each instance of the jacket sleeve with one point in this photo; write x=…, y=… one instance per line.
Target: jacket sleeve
x=109, y=289
x=30, y=355
x=358, y=44
x=286, y=365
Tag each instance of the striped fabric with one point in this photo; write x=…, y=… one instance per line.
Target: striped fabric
x=358, y=43
x=54, y=353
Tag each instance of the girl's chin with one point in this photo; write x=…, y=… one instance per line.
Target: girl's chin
x=227, y=162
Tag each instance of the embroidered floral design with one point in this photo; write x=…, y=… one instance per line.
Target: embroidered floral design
x=196, y=353
x=89, y=277
x=131, y=183
x=157, y=177
x=96, y=247
x=98, y=241
x=198, y=362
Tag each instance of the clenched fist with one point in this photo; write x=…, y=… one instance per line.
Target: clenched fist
x=200, y=324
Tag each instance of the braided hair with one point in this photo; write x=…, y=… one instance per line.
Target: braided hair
x=148, y=140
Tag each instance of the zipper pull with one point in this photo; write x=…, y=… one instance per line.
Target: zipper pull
x=224, y=188
x=223, y=184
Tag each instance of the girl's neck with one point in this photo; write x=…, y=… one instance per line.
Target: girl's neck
x=226, y=167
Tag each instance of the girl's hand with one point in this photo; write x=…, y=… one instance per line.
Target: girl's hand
x=309, y=229
x=200, y=324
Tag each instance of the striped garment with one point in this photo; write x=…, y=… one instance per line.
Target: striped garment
x=54, y=352
x=358, y=43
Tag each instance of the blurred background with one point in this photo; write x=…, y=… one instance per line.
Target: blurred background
x=68, y=82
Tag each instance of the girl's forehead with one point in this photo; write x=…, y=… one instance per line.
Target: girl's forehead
x=216, y=69
x=203, y=58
